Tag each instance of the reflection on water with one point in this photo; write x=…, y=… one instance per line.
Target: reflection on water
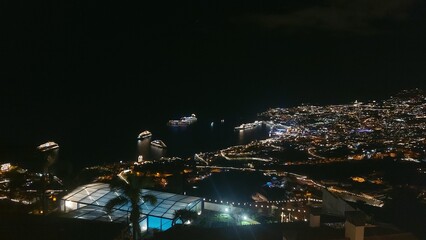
x=248, y=135
x=143, y=147
x=150, y=152
x=184, y=141
x=245, y=136
x=157, y=153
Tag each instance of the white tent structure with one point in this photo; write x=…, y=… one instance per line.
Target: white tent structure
x=88, y=202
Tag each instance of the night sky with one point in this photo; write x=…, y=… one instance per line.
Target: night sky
x=80, y=66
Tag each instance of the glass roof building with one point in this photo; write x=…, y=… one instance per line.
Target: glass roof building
x=88, y=202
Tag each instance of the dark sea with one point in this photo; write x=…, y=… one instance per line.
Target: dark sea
x=107, y=141
x=204, y=135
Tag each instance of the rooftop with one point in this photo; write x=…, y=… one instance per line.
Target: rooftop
x=88, y=201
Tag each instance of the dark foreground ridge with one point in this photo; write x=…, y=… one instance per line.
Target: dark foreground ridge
x=16, y=226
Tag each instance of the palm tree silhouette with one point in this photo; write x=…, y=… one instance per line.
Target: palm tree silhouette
x=184, y=215
x=131, y=185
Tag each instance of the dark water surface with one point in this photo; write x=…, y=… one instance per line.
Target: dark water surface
x=108, y=142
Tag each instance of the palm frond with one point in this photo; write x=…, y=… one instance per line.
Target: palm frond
x=185, y=214
x=130, y=185
x=150, y=199
x=117, y=183
x=120, y=200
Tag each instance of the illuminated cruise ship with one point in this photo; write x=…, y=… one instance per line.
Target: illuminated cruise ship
x=183, y=121
x=144, y=134
x=158, y=143
x=246, y=126
x=257, y=197
x=47, y=146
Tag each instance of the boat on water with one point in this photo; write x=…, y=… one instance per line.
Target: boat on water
x=257, y=197
x=177, y=123
x=191, y=119
x=183, y=121
x=158, y=143
x=47, y=146
x=246, y=126
x=144, y=134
